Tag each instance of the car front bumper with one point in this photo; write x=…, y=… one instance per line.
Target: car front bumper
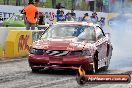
x=41, y=61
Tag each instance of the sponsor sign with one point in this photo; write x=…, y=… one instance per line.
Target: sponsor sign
x=104, y=78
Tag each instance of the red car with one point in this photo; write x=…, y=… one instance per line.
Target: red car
x=70, y=45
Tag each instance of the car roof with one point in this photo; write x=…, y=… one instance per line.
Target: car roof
x=76, y=23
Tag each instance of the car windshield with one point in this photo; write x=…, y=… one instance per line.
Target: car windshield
x=60, y=31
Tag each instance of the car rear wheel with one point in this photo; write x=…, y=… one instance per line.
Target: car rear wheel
x=106, y=67
x=109, y=51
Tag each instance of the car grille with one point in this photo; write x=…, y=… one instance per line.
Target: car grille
x=56, y=52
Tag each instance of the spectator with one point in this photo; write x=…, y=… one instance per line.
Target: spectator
x=24, y=2
x=102, y=22
x=105, y=6
x=73, y=13
x=59, y=6
x=58, y=11
x=18, y=2
x=41, y=18
x=53, y=3
x=30, y=15
x=69, y=17
x=100, y=5
x=94, y=17
x=57, y=14
x=61, y=16
x=91, y=4
x=6, y=2
x=86, y=17
x=36, y=2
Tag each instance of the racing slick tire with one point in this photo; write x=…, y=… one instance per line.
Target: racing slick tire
x=105, y=68
x=95, y=65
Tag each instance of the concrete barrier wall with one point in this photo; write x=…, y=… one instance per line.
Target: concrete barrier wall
x=1, y=52
x=3, y=35
x=4, y=31
x=18, y=41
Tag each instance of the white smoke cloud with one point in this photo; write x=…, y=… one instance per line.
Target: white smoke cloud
x=122, y=33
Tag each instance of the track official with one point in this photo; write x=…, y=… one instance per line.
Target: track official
x=30, y=15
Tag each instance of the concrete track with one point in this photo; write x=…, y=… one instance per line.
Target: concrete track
x=17, y=74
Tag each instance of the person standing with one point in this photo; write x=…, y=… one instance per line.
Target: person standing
x=73, y=14
x=53, y=3
x=69, y=17
x=94, y=17
x=30, y=15
x=99, y=5
x=18, y=2
x=91, y=4
x=86, y=18
x=41, y=19
x=61, y=16
x=6, y=2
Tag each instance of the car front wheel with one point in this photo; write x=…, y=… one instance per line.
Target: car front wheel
x=95, y=63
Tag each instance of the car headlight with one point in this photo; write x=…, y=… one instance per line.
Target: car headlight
x=80, y=53
x=36, y=51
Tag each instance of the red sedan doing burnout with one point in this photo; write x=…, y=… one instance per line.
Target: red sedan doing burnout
x=72, y=45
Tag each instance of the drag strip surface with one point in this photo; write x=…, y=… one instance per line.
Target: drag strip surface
x=17, y=73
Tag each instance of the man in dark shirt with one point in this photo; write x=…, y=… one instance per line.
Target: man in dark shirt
x=72, y=13
x=41, y=18
x=61, y=16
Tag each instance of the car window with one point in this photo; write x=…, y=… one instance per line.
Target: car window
x=99, y=33
x=79, y=31
x=87, y=34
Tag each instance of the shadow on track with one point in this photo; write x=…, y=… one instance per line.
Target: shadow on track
x=62, y=72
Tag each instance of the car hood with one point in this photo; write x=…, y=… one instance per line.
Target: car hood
x=70, y=44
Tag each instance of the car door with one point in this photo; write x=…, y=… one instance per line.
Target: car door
x=101, y=44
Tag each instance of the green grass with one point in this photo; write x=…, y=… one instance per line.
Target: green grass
x=48, y=3
x=12, y=2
